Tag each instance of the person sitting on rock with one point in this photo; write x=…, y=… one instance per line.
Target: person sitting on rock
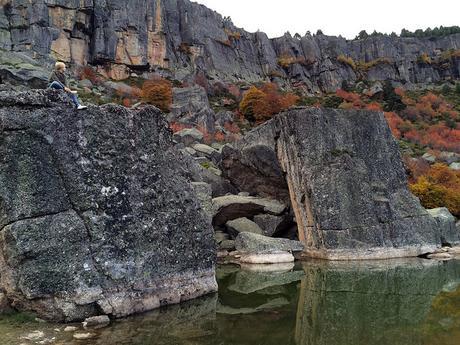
x=58, y=81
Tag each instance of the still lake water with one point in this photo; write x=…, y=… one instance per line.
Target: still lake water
x=397, y=302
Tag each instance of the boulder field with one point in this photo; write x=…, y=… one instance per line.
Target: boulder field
x=101, y=213
x=97, y=215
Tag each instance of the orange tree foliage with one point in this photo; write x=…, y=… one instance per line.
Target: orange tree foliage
x=158, y=92
x=260, y=104
x=439, y=187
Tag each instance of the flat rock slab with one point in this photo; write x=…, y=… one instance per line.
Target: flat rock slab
x=267, y=258
x=247, y=242
x=97, y=213
x=231, y=207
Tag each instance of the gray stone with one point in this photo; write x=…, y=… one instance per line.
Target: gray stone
x=269, y=224
x=83, y=336
x=267, y=258
x=234, y=227
x=227, y=245
x=208, y=152
x=454, y=166
x=204, y=193
x=230, y=207
x=85, y=83
x=254, y=243
x=449, y=234
x=188, y=136
x=96, y=321
x=221, y=236
x=105, y=189
x=429, y=157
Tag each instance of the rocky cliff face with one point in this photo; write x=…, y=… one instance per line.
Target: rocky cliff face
x=346, y=183
x=96, y=212
x=181, y=38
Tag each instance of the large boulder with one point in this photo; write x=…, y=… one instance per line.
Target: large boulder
x=96, y=213
x=236, y=226
x=347, y=184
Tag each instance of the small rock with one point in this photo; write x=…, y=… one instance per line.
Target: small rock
x=243, y=194
x=82, y=336
x=37, y=319
x=429, y=157
x=70, y=329
x=227, y=245
x=221, y=236
x=96, y=321
x=35, y=335
x=188, y=136
x=190, y=151
x=215, y=171
x=455, y=166
x=268, y=223
x=208, y=152
x=234, y=227
x=85, y=83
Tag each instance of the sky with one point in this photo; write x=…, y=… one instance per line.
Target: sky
x=337, y=17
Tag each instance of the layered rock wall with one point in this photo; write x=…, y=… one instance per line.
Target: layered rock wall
x=96, y=213
x=182, y=38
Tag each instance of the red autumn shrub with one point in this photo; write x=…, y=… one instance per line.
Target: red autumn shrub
x=158, y=91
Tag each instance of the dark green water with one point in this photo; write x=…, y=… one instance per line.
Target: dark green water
x=400, y=302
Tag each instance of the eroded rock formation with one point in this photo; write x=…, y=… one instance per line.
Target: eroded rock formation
x=96, y=213
x=181, y=38
x=346, y=182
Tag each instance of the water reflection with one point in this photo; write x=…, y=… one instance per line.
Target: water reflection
x=383, y=302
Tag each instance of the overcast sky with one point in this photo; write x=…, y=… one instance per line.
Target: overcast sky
x=337, y=17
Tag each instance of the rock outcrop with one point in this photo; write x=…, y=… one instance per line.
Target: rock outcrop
x=183, y=39
x=346, y=182
x=96, y=213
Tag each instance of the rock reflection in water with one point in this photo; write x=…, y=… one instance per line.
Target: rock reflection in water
x=381, y=302
x=397, y=302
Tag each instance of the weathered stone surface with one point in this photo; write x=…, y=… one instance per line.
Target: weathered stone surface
x=269, y=224
x=446, y=225
x=231, y=207
x=347, y=185
x=234, y=227
x=254, y=243
x=97, y=213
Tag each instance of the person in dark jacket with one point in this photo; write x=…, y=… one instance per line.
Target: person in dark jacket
x=58, y=81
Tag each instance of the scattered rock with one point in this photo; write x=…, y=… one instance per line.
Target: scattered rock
x=188, y=136
x=234, y=227
x=267, y=258
x=70, y=329
x=455, y=166
x=254, y=243
x=221, y=236
x=85, y=83
x=83, y=336
x=440, y=256
x=208, y=152
x=34, y=336
x=96, y=321
x=429, y=157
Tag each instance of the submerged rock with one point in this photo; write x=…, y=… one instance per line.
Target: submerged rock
x=96, y=213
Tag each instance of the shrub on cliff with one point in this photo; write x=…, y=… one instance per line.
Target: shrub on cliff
x=439, y=187
x=158, y=92
x=260, y=104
